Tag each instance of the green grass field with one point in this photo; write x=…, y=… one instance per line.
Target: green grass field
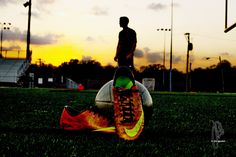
x=180, y=126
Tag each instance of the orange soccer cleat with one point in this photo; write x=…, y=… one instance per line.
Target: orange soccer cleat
x=90, y=119
x=128, y=111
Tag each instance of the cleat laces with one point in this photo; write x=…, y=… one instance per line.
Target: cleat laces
x=126, y=106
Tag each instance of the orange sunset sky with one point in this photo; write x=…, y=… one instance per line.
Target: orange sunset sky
x=88, y=29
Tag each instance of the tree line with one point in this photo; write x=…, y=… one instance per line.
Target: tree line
x=215, y=78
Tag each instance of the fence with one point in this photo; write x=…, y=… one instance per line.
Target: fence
x=13, y=54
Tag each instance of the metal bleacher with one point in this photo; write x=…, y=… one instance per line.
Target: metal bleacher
x=12, y=69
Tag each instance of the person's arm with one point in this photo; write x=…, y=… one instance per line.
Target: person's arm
x=133, y=47
x=131, y=52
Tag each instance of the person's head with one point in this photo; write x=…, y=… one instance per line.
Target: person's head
x=124, y=21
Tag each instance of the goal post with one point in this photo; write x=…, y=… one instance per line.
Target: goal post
x=227, y=27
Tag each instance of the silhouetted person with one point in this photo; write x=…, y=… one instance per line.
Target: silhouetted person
x=126, y=44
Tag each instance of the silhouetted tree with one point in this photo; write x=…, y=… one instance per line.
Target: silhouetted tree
x=214, y=78
x=210, y=79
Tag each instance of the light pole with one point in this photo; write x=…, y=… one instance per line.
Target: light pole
x=222, y=72
x=189, y=48
x=4, y=26
x=171, y=45
x=28, y=3
x=164, y=53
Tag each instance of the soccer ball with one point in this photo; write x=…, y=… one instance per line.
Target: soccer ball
x=104, y=99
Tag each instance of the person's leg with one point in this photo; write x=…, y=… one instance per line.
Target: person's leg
x=126, y=62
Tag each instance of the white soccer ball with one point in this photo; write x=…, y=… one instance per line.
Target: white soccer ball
x=104, y=100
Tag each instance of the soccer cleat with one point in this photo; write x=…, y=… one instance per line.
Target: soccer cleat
x=128, y=111
x=89, y=119
x=129, y=115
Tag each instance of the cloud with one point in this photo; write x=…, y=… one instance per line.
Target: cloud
x=138, y=53
x=45, y=39
x=16, y=35
x=4, y=3
x=86, y=58
x=35, y=14
x=43, y=4
x=160, y=6
x=40, y=6
x=153, y=57
x=14, y=47
x=176, y=59
x=90, y=39
x=176, y=4
x=157, y=6
x=95, y=39
x=146, y=49
x=224, y=54
x=98, y=11
x=11, y=48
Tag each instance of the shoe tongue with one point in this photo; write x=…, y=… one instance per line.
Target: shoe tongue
x=124, y=82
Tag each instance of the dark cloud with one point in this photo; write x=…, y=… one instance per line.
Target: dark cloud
x=176, y=59
x=17, y=35
x=157, y=6
x=153, y=57
x=45, y=39
x=14, y=34
x=99, y=11
x=138, y=53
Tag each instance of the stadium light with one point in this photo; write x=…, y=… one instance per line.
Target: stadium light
x=4, y=26
x=189, y=48
x=164, y=52
x=28, y=4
